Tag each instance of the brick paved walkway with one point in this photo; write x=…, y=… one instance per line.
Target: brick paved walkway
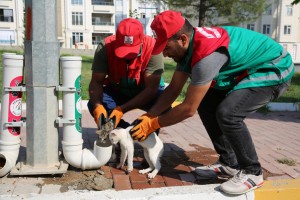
x=275, y=135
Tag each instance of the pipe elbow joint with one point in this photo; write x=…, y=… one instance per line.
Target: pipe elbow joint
x=7, y=161
x=85, y=158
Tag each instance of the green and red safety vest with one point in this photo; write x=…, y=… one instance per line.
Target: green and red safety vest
x=255, y=60
x=128, y=78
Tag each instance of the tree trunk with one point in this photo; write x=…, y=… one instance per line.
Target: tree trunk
x=201, y=9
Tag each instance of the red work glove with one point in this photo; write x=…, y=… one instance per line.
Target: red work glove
x=143, y=127
x=116, y=115
x=98, y=111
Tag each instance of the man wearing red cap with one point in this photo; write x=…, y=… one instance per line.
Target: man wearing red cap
x=233, y=72
x=125, y=74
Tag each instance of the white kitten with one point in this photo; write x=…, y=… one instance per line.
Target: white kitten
x=153, y=150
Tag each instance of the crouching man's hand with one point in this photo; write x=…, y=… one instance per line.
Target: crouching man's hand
x=116, y=115
x=99, y=112
x=143, y=127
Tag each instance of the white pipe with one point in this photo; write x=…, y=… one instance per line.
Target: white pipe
x=8, y=156
x=11, y=111
x=72, y=142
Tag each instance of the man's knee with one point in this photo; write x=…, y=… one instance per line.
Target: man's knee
x=224, y=114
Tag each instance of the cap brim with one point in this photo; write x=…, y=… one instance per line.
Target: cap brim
x=159, y=46
x=126, y=52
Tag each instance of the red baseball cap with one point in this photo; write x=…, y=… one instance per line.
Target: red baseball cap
x=164, y=26
x=129, y=37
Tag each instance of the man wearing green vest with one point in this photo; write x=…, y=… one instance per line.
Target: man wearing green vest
x=233, y=72
x=125, y=74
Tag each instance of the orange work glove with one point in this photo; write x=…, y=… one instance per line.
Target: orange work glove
x=98, y=111
x=116, y=115
x=143, y=127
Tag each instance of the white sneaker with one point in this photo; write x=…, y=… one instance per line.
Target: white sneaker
x=216, y=170
x=242, y=183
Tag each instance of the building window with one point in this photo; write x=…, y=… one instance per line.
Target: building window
x=99, y=37
x=77, y=18
x=102, y=19
x=287, y=30
x=251, y=27
x=267, y=29
x=289, y=10
x=96, y=20
x=77, y=37
x=6, y=15
x=143, y=15
x=77, y=2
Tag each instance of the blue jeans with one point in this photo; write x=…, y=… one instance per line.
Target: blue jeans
x=112, y=99
x=223, y=114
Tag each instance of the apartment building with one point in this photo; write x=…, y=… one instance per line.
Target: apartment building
x=11, y=22
x=83, y=23
x=280, y=21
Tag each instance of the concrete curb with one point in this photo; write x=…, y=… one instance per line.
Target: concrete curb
x=279, y=190
x=276, y=106
x=194, y=192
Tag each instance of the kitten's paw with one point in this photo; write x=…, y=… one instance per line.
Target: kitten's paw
x=128, y=171
x=144, y=171
x=129, y=168
x=119, y=166
x=152, y=174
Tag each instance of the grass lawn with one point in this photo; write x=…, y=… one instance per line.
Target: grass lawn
x=293, y=92
x=292, y=95
x=86, y=75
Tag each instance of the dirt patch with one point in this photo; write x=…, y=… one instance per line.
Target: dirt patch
x=81, y=180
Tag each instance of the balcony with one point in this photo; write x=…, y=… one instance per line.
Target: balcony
x=103, y=6
x=104, y=27
x=7, y=4
x=7, y=25
x=103, y=23
x=101, y=2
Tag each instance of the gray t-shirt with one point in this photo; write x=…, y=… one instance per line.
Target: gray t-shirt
x=207, y=68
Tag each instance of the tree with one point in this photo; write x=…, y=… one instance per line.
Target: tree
x=134, y=14
x=295, y=2
x=208, y=12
